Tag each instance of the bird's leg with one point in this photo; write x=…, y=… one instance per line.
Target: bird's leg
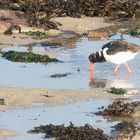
x=116, y=68
x=127, y=67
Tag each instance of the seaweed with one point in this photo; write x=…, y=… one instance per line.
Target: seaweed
x=27, y=57
x=117, y=91
x=60, y=75
x=36, y=33
x=124, y=130
x=135, y=32
x=70, y=132
x=119, y=108
x=51, y=44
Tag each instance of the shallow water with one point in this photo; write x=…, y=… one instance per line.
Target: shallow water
x=75, y=61
x=22, y=120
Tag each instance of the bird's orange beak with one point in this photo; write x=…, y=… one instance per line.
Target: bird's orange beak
x=91, y=66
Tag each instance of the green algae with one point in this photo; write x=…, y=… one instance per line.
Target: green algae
x=27, y=57
x=117, y=91
x=135, y=32
x=36, y=34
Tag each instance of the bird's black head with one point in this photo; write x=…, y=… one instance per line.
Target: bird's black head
x=96, y=57
x=91, y=58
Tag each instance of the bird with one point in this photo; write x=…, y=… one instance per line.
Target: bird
x=117, y=52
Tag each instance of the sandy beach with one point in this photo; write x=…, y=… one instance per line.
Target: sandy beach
x=27, y=97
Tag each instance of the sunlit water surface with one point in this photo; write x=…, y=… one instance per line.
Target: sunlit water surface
x=79, y=113
x=75, y=61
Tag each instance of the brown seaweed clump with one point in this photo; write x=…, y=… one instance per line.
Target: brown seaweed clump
x=124, y=130
x=39, y=12
x=119, y=108
x=74, y=8
x=71, y=132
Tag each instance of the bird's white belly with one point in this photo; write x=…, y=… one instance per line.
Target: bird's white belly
x=120, y=57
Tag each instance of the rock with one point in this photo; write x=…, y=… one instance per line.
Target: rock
x=136, y=113
x=13, y=29
x=97, y=34
x=16, y=17
x=124, y=131
x=4, y=26
x=1, y=101
x=121, y=108
x=137, y=13
x=9, y=20
x=60, y=75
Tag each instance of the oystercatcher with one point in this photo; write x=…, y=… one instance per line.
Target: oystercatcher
x=117, y=52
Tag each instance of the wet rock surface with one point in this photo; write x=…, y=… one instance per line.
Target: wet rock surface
x=71, y=132
x=124, y=130
x=10, y=20
x=2, y=101
x=120, y=108
x=11, y=29
x=60, y=75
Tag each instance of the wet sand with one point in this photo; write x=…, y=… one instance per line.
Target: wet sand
x=17, y=40
x=81, y=25
x=26, y=97
x=5, y=133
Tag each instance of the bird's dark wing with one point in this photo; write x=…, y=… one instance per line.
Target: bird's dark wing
x=115, y=47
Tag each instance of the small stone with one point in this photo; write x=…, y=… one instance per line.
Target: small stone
x=1, y=101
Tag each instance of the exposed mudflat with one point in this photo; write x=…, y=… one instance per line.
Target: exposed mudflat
x=81, y=25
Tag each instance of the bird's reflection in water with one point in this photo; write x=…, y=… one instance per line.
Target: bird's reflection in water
x=96, y=83
x=119, y=81
x=99, y=83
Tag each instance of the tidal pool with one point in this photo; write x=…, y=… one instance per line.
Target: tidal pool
x=75, y=61
x=22, y=120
